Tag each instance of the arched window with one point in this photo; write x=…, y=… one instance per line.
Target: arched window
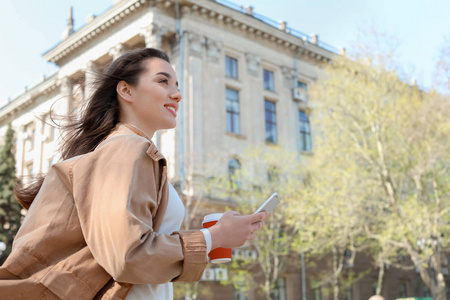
x=234, y=166
x=273, y=174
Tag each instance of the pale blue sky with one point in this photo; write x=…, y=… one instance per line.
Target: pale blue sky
x=28, y=28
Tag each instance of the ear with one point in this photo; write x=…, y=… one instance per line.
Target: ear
x=124, y=91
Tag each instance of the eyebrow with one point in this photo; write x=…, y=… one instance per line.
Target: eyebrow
x=167, y=75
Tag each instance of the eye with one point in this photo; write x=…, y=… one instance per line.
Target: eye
x=166, y=81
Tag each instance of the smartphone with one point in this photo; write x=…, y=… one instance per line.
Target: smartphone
x=270, y=204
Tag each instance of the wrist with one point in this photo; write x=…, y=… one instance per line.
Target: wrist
x=215, y=237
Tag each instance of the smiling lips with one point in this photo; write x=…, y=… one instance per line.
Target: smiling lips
x=172, y=109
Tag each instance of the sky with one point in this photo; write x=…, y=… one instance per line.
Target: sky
x=29, y=28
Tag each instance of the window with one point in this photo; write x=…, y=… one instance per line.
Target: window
x=29, y=169
x=348, y=293
x=427, y=292
x=403, y=289
x=30, y=132
x=271, y=122
x=279, y=292
x=48, y=131
x=231, y=70
x=273, y=174
x=234, y=166
x=305, y=132
x=301, y=86
x=316, y=291
x=240, y=294
x=349, y=258
x=232, y=103
x=269, y=80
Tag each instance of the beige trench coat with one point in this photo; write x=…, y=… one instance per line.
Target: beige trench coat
x=91, y=231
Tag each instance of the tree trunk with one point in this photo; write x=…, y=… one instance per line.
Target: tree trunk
x=267, y=288
x=441, y=291
x=380, y=277
x=335, y=275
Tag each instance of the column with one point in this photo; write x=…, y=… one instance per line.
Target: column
x=90, y=75
x=66, y=88
x=193, y=106
x=153, y=35
x=253, y=92
x=116, y=51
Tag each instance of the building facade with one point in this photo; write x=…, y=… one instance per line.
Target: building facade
x=243, y=79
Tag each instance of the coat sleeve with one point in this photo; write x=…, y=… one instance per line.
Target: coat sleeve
x=116, y=194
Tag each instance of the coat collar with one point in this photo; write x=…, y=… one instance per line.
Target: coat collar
x=152, y=151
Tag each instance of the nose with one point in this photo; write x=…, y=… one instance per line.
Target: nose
x=176, y=95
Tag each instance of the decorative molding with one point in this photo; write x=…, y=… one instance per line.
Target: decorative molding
x=116, y=51
x=288, y=76
x=237, y=20
x=213, y=50
x=196, y=43
x=153, y=35
x=120, y=11
x=253, y=63
x=50, y=85
x=66, y=86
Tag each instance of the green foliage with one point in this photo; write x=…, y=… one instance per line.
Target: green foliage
x=10, y=216
x=263, y=173
x=379, y=174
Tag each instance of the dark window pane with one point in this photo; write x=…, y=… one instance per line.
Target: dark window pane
x=231, y=67
x=269, y=80
x=232, y=109
x=233, y=172
x=302, y=85
x=305, y=132
x=271, y=121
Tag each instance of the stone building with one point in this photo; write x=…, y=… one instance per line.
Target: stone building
x=243, y=78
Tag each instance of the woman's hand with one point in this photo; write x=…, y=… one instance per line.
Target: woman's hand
x=233, y=230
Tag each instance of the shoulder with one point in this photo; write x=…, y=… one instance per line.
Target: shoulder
x=121, y=149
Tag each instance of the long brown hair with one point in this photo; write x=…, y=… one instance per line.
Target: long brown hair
x=99, y=117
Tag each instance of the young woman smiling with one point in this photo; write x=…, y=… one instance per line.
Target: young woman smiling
x=105, y=222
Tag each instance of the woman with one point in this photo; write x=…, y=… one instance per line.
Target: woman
x=104, y=224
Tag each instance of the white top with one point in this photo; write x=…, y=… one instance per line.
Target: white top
x=171, y=222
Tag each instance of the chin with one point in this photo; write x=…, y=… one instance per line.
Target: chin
x=171, y=125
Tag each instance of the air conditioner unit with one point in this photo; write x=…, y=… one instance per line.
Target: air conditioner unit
x=208, y=275
x=299, y=95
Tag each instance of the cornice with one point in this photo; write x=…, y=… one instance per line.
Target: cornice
x=209, y=9
x=47, y=86
x=96, y=27
x=257, y=28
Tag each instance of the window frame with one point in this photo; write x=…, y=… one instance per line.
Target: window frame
x=235, y=115
x=304, y=131
x=270, y=86
x=232, y=170
x=270, y=125
x=232, y=72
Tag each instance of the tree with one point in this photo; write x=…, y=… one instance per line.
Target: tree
x=332, y=227
x=442, y=71
x=388, y=139
x=10, y=216
x=262, y=174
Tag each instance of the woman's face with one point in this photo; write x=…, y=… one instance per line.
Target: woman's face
x=155, y=98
